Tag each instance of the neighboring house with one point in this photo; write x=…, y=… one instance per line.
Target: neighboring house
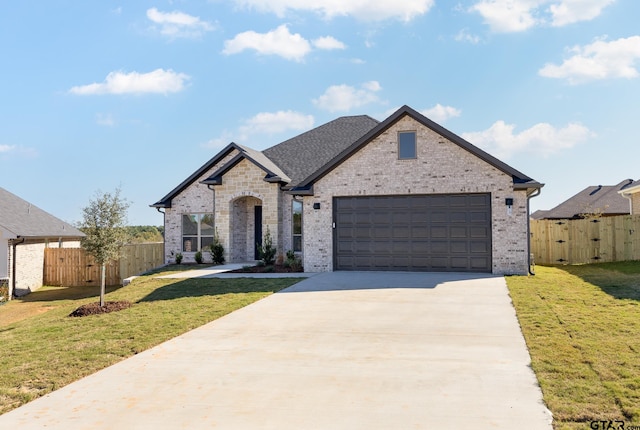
x=25, y=231
x=632, y=193
x=358, y=194
x=599, y=200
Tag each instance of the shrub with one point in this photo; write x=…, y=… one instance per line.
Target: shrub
x=198, y=257
x=179, y=258
x=217, y=250
x=266, y=250
x=293, y=261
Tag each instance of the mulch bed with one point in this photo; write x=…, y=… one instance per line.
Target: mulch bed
x=96, y=309
x=276, y=268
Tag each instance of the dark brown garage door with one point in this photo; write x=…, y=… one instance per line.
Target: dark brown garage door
x=448, y=232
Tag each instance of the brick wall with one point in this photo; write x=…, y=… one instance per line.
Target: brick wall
x=29, y=267
x=635, y=203
x=196, y=198
x=243, y=187
x=440, y=167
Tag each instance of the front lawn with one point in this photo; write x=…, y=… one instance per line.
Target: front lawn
x=47, y=349
x=582, y=327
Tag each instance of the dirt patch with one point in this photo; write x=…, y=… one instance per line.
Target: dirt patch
x=95, y=308
x=277, y=268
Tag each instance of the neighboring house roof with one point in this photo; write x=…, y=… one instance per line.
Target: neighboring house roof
x=23, y=219
x=632, y=188
x=300, y=161
x=600, y=199
x=539, y=214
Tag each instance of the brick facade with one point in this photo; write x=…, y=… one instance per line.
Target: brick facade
x=635, y=203
x=243, y=187
x=440, y=167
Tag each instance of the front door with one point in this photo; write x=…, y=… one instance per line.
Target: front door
x=257, y=230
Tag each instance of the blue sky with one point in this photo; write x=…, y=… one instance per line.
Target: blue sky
x=138, y=95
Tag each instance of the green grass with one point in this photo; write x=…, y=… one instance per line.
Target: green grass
x=47, y=351
x=582, y=327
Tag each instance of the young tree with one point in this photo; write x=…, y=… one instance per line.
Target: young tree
x=104, y=223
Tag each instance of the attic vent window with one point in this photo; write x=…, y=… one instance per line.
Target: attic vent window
x=407, y=145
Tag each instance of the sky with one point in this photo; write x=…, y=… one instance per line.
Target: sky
x=96, y=96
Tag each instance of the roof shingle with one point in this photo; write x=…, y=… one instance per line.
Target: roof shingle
x=23, y=219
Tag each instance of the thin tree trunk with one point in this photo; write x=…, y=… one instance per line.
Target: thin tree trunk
x=102, y=282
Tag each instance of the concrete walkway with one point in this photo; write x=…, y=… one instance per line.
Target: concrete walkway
x=222, y=271
x=335, y=351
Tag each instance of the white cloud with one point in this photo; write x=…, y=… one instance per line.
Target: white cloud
x=570, y=11
x=504, y=16
x=599, y=60
x=261, y=124
x=464, y=36
x=344, y=97
x=328, y=43
x=366, y=10
x=277, y=122
x=6, y=148
x=105, y=119
x=542, y=139
x=11, y=150
x=159, y=81
x=440, y=113
x=178, y=24
x=276, y=42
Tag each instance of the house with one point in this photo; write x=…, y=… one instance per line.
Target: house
x=632, y=193
x=358, y=194
x=25, y=232
x=600, y=200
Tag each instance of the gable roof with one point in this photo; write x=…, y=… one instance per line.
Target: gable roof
x=520, y=180
x=23, y=219
x=300, y=161
x=273, y=172
x=599, y=199
x=303, y=155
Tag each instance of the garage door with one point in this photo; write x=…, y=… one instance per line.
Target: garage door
x=448, y=232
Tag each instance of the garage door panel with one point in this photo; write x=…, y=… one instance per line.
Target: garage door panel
x=413, y=232
x=458, y=232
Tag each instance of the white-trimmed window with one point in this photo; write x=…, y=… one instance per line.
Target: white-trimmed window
x=197, y=232
x=296, y=225
x=407, y=145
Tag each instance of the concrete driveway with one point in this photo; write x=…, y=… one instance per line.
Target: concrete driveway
x=339, y=350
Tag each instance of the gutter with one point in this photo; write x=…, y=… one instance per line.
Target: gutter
x=529, y=197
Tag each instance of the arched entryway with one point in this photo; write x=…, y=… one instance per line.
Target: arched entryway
x=246, y=228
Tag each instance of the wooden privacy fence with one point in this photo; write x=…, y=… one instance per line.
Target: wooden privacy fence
x=589, y=240
x=74, y=267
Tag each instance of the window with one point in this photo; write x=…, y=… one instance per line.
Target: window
x=407, y=144
x=296, y=210
x=197, y=232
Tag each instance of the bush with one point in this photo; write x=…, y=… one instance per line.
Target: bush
x=179, y=258
x=217, y=250
x=198, y=257
x=266, y=250
x=293, y=261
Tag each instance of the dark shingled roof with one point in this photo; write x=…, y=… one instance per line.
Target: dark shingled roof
x=26, y=220
x=302, y=155
x=599, y=199
x=300, y=161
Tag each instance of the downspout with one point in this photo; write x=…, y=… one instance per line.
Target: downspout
x=628, y=197
x=14, y=267
x=164, y=238
x=529, y=197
